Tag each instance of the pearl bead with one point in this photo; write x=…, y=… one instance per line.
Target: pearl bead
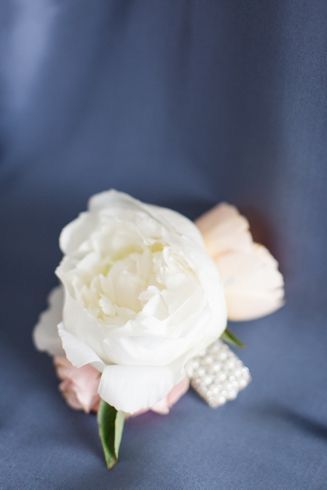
x=218, y=375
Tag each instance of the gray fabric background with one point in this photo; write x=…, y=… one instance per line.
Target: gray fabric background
x=180, y=103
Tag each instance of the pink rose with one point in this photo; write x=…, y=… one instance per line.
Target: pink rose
x=79, y=387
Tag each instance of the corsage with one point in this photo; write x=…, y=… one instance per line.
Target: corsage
x=141, y=312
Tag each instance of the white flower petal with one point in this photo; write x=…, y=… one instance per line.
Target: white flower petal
x=77, y=351
x=181, y=225
x=45, y=334
x=76, y=232
x=111, y=199
x=134, y=388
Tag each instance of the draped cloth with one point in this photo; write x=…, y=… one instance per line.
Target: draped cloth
x=183, y=104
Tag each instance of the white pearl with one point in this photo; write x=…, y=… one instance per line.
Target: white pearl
x=216, y=367
x=221, y=400
x=207, y=380
x=219, y=375
x=200, y=371
x=208, y=360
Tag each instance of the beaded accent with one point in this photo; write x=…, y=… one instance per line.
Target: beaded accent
x=218, y=375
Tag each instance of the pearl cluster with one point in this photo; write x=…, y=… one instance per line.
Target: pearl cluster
x=218, y=375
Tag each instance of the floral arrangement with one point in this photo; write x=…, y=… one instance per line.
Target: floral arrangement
x=141, y=312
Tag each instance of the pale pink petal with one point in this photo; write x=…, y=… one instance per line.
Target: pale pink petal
x=253, y=285
x=69, y=395
x=79, y=386
x=161, y=407
x=224, y=229
x=178, y=391
x=173, y=396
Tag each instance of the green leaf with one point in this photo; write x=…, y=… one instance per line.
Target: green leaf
x=111, y=425
x=230, y=337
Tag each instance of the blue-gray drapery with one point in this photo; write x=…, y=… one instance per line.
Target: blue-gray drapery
x=180, y=103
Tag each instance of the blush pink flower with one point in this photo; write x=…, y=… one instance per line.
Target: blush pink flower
x=79, y=386
x=253, y=285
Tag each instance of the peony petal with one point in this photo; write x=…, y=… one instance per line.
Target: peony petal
x=45, y=334
x=76, y=232
x=134, y=388
x=131, y=345
x=164, y=405
x=69, y=395
x=253, y=285
x=178, y=391
x=181, y=224
x=223, y=229
x=250, y=306
x=111, y=198
x=81, y=325
x=79, y=385
x=77, y=352
x=161, y=407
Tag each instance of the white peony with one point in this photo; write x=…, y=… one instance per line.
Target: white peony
x=141, y=298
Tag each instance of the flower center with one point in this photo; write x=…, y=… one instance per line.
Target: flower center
x=117, y=285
